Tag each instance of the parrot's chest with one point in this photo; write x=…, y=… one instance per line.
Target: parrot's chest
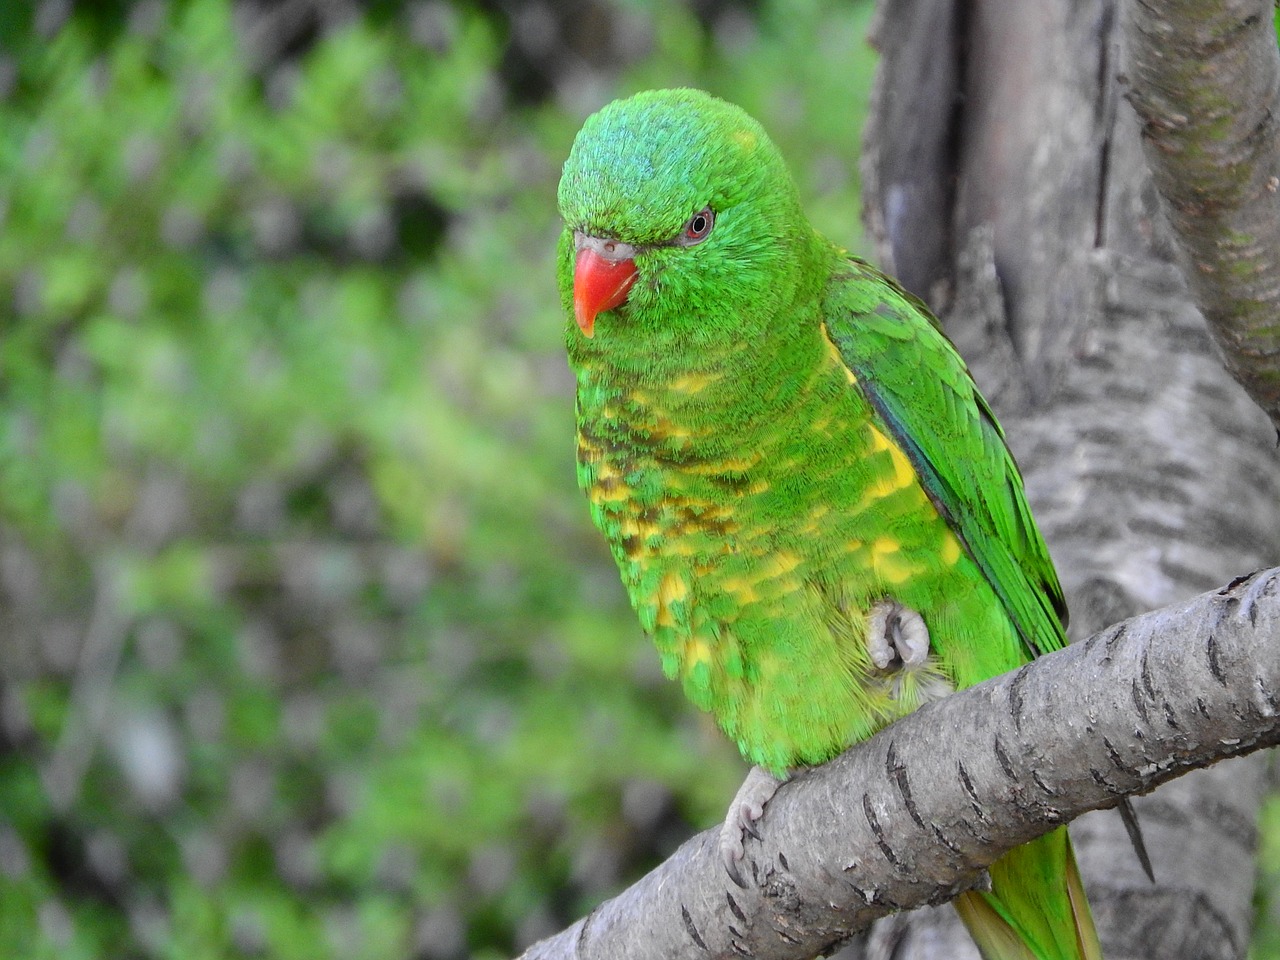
x=753, y=558
x=667, y=486
x=818, y=489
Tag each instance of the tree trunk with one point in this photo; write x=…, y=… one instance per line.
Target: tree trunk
x=1005, y=183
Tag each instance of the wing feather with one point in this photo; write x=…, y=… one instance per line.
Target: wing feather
x=922, y=391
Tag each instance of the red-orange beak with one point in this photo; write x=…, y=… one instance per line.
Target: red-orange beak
x=602, y=277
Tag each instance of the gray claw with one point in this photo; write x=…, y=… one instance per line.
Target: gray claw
x=731, y=868
x=896, y=635
x=743, y=820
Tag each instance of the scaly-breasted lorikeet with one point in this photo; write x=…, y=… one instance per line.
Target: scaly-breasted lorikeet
x=812, y=506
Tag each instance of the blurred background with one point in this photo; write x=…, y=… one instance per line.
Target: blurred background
x=307, y=647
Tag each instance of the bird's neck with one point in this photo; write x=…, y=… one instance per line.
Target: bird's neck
x=716, y=403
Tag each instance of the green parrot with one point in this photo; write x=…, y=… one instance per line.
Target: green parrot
x=813, y=508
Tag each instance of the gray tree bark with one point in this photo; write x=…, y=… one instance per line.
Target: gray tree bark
x=1006, y=183
x=1206, y=84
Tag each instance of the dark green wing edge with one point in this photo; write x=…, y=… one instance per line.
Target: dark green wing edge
x=922, y=391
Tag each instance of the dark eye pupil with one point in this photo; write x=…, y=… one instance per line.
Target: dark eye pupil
x=699, y=225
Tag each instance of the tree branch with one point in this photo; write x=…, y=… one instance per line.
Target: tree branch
x=911, y=816
x=1206, y=84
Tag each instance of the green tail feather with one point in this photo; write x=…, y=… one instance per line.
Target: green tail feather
x=1036, y=908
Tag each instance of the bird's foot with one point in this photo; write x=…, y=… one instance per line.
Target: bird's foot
x=896, y=636
x=744, y=812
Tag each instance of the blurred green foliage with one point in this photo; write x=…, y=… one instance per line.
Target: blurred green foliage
x=306, y=646
x=1266, y=942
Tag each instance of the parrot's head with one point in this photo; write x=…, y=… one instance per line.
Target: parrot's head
x=681, y=218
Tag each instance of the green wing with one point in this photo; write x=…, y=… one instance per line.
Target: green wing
x=923, y=392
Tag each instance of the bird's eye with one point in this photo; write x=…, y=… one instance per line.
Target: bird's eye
x=699, y=225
